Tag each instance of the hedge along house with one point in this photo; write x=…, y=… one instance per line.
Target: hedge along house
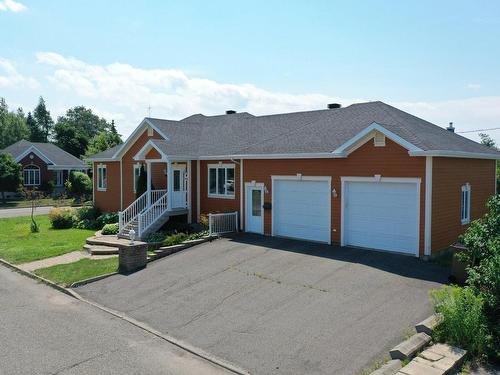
x=368, y=175
x=44, y=162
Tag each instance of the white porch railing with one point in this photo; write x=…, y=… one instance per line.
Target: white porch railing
x=128, y=215
x=152, y=213
x=223, y=223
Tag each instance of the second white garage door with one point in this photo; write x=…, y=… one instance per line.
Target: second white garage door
x=301, y=209
x=381, y=215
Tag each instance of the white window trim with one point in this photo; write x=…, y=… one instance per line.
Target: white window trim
x=135, y=166
x=465, y=189
x=101, y=167
x=34, y=170
x=59, y=178
x=220, y=166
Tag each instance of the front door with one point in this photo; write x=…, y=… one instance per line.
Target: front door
x=254, y=220
x=179, y=193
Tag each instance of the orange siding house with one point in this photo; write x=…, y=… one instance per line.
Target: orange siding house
x=368, y=175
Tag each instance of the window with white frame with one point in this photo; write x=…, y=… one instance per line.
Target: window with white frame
x=137, y=173
x=221, y=180
x=465, y=204
x=59, y=178
x=31, y=175
x=102, y=177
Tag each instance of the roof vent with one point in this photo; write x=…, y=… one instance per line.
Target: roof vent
x=451, y=128
x=230, y=112
x=334, y=105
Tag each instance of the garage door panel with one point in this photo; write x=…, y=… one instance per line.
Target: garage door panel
x=301, y=209
x=381, y=215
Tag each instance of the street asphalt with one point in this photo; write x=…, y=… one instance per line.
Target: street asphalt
x=43, y=331
x=278, y=306
x=14, y=212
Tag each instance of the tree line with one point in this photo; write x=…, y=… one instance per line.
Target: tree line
x=79, y=131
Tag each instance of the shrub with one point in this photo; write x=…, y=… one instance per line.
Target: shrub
x=108, y=218
x=110, y=229
x=175, y=239
x=464, y=321
x=157, y=237
x=61, y=218
x=482, y=240
x=88, y=213
x=48, y=187
x=204, y=220
x=84, y=224
x=79, y=184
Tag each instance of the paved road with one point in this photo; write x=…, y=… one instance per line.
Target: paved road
x=13, y=212
x=43, y=331
x=276, y=306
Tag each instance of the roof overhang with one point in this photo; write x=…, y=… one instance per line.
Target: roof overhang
x=455, y=154
x=64, y=167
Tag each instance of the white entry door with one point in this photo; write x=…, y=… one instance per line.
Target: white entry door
x=254, y=219
x=382, y=215
x=179, y=193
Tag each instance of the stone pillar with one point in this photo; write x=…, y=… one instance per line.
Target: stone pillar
x=132, y=258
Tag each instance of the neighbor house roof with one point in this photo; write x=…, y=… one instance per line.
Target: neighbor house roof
x=50, y=153
x=319, y=132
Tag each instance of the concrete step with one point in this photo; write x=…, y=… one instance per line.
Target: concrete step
x=100, y=249
x=428, y=325
x=408, y=348
x=439, y=359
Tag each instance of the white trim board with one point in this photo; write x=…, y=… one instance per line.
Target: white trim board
x=428, y=206
x=375, y=179
x=37, y=152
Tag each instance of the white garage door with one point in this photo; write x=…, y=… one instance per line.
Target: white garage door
x=381, y=215
x=301, y=209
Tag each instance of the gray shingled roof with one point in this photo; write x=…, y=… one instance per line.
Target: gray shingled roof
x=58, y=156
x=320, y=131
x=108, y=154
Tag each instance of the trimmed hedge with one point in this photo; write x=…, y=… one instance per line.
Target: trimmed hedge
x=110, y=229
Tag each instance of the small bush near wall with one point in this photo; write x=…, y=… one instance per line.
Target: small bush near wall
x=109, y=218
x=110, y=229
x=61, y=218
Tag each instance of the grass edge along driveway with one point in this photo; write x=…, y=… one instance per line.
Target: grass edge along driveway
x=18, y=245
x=67, y=274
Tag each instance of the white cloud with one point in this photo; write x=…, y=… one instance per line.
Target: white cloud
x=124, y=93
x=11, y=5
x=170, y=92
x=11, y=78
x=474, y=86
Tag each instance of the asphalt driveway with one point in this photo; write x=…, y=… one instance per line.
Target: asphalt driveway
x=276, y=306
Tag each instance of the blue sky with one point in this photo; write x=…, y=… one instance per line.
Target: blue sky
x=436, y=59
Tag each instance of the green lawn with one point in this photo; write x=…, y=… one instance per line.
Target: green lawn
x=19, y=245
x=67, y=274
x=40, y=203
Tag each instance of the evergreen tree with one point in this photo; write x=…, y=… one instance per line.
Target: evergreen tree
x=141, y=183
x=36, y=134
x=43, y=120
x=12, y=126
x=10, y=174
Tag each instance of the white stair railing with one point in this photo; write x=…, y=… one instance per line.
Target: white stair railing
x=152, y=213
x=223, y=223
x=136, y=207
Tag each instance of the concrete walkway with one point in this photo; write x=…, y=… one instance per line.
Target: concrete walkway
x=61, y=259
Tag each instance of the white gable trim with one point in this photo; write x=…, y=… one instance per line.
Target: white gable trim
x=148, y=146
x=37, y=152
x=368, y=133
x=135, y=135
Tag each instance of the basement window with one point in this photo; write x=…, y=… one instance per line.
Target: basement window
x=465, y=204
